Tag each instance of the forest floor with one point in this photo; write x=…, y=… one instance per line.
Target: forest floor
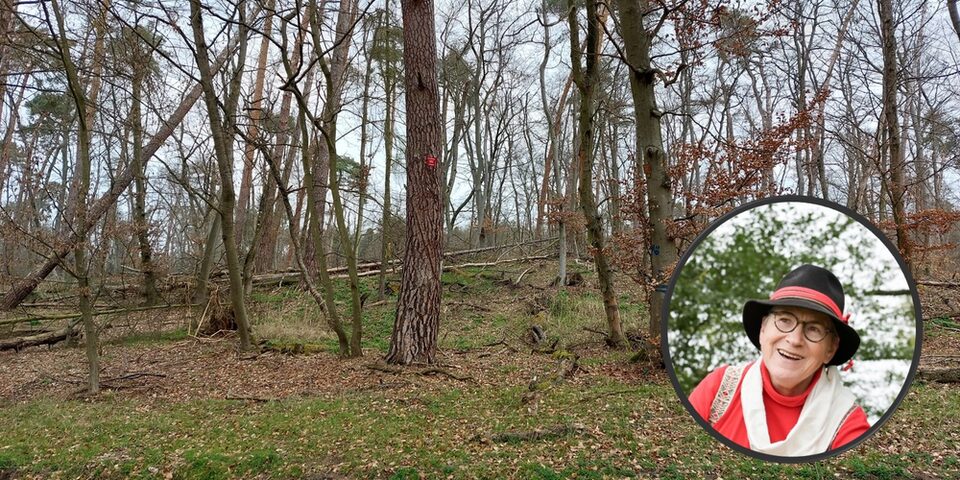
x=180, y=406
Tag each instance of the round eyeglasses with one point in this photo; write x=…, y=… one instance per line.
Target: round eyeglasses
x=814, y=332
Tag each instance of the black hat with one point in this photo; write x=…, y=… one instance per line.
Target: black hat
x=813, y=288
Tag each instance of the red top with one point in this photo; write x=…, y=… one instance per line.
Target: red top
x=782, y=411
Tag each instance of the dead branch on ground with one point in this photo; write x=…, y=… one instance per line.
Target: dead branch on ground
x=396, y=370
x=548, y=433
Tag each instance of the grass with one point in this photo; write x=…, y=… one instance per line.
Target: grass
x=641, y=434
x=150, y=338
x=626, y=428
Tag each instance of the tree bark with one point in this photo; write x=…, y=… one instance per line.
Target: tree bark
x=86, y=104
x=551, y=127
x=200, y=295
x=266, y=259
x=249, y=150
x=224, y=153
x=414, y=336
x=587, y=80
x=151, y=296
x=388, y=75
x=896, y=189
x=954, y=16
x=327, y=154
x=649, y=140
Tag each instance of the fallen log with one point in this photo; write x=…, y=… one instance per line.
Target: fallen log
x=373, y=268
x=48, y=338
x=270, y=279
x=68, y=316
x=939, y=374
x=397, y=370
x=932, y=283
x=497, y=247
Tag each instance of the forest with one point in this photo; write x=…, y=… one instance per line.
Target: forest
x=408, y=239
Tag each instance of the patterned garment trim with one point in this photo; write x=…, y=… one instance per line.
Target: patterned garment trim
x=731, y=378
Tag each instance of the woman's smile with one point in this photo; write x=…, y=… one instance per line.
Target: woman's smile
x=791, y=358
x=788, y=355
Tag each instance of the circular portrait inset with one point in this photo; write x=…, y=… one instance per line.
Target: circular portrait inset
x=792, y=329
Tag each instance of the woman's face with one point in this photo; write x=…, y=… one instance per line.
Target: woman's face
x=791, y=358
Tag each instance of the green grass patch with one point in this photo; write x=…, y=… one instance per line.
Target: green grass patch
x=150, y=338
x=946, y=322
x=629, y=431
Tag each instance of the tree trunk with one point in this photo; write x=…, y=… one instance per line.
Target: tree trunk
x=616, y=222
x=327, y=154
x=224, y=153
x=551, y=130
x=11, y=124
x=200, y=295
x=364, y=169
x=263, y=213
x=151, y=296
x=663, y=252
x=266, y=259
x=324, y=296
x=414, y=336
x=249, y=150
x=388, y=76
x=954, y=16
x=86, y=109
x=315, y=237
x=7, y=9
x=896, y=189
x=587, y=81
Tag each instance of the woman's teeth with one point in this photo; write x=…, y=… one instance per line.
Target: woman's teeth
x=789, y=356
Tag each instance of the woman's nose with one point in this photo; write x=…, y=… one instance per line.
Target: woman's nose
x=796, y=336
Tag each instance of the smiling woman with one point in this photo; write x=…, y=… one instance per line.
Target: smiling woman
x=791, y=401
x=768, y=311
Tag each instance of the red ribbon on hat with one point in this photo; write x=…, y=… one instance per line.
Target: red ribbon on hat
x=813, y=296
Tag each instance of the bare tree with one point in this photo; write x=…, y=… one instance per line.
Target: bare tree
x=587, y=80
x=637, y=42
x=97, y=209
x=222, y=141
x=896, y=188
x=85, y=101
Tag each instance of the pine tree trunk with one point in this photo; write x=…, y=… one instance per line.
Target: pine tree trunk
x=414, y=337
x=249, y=149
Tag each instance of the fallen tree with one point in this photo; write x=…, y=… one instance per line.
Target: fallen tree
x=33, y=339
x=268, y=279
x=45, y=338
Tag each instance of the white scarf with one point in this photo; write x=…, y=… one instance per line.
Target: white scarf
x=824, y=410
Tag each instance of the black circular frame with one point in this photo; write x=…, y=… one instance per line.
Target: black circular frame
x=668, y=361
